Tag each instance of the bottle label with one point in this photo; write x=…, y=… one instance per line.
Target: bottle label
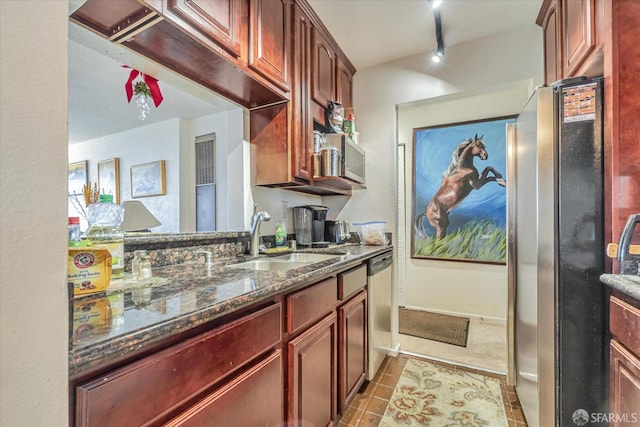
x=117, y=253
x=280, y=235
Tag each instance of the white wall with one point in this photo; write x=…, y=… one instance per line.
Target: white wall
x=34, y=306
x=157, y=141
x=498, y=63
x=173, y=142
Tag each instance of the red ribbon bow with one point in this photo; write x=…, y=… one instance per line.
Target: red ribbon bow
x=150, y=81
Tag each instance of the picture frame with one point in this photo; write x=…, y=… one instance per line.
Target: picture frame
x=148, y=179
x=459, y=191
x=109, y=178
x=77, y=177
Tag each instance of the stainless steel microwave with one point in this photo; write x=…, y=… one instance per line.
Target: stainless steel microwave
x=352, y=161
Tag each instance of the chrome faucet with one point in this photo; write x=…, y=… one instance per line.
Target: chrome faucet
x=254, y=230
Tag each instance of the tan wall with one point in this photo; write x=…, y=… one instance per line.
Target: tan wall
x=33, y=236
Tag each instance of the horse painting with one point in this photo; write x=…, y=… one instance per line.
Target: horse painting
x=451, y=220
x=458, y=181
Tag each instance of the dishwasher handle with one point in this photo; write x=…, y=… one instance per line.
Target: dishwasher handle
x=379, y=263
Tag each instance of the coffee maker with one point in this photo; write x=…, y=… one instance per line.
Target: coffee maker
x=309, y=225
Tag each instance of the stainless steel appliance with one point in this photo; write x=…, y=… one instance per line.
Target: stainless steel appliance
x=309, y=225
x=336, y=231
x=556, y=254
x=379, y=272
x=352, y=163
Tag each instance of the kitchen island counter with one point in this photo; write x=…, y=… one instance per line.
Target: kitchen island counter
x=184, y=297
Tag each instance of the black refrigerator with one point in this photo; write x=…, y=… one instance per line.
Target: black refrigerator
x=556, y=319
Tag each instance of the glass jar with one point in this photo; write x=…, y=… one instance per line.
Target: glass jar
x=135, y=263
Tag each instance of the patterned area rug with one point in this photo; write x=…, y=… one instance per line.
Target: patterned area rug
x=428, y=394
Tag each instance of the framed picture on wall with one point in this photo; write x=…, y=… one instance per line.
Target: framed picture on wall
x=109, y=178
x=148, y=179
x=77, y=177
x=459, y=191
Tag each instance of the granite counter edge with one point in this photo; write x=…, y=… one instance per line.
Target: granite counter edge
x=627, y=284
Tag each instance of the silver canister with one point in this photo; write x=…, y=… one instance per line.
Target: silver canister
x=318, y=141
x=330, y=161
x=317, y=165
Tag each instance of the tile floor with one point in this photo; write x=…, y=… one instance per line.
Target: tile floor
x=368, y=406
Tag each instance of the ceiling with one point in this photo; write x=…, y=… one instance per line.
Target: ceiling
x=370, y=32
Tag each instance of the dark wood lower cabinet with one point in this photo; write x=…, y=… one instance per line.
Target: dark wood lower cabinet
x=624, y=369
x=624, y=386
x=255, y=398
x=352, y=348
x=312, y=375
x=298, y=361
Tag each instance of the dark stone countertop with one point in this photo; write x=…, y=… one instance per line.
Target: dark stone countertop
x=627, y=284
x=187, y=295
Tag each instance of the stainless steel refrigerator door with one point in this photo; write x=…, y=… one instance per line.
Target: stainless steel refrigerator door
x=531, y=310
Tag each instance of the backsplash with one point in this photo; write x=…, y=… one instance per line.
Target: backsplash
x=180, y=248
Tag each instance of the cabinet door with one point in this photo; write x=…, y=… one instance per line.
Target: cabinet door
x=312, y=375
x=323, y=71
x=352, y=348
x=624, y=386
x=345, y=84
x=255, y=398
x=219, y=20
x=302, y=126
x=269, y=40
x=551, y=37
x=579, y=29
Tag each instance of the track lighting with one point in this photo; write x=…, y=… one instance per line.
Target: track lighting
x=439, y=53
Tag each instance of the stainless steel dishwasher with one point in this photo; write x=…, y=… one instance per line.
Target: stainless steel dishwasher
x=379, y=272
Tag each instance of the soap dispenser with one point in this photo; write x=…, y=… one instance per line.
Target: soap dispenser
x=281, y=227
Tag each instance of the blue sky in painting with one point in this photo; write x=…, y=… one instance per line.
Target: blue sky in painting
x=433, y=150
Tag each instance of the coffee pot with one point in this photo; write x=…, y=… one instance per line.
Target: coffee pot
x=309, y=222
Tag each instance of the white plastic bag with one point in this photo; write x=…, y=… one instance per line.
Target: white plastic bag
x=372, y=233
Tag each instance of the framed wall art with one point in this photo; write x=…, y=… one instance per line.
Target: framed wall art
x=459, y=191
x=148, y=179
x=109, y=178
x=77, y=177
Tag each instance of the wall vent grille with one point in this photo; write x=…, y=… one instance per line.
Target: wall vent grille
x=205, y=159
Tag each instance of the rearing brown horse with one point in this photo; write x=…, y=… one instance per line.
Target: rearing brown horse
x=457, y=182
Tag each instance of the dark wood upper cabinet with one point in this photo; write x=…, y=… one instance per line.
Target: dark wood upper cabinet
x=579, y=28
x=323, y=70
x=345, y=84
x=549, y=20
x=302, y=124
x=219, y=20
x=269, y=40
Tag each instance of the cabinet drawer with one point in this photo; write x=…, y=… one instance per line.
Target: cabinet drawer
x=624, y=323
x=310, y=304
x=149, y=388
x=255, y=398
x=351, y=282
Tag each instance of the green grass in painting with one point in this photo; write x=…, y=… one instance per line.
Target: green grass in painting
x=479, y=240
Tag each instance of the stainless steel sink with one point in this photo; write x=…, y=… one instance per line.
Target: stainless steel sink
x=268, y=265
x=284, y=262
x=305, y=257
